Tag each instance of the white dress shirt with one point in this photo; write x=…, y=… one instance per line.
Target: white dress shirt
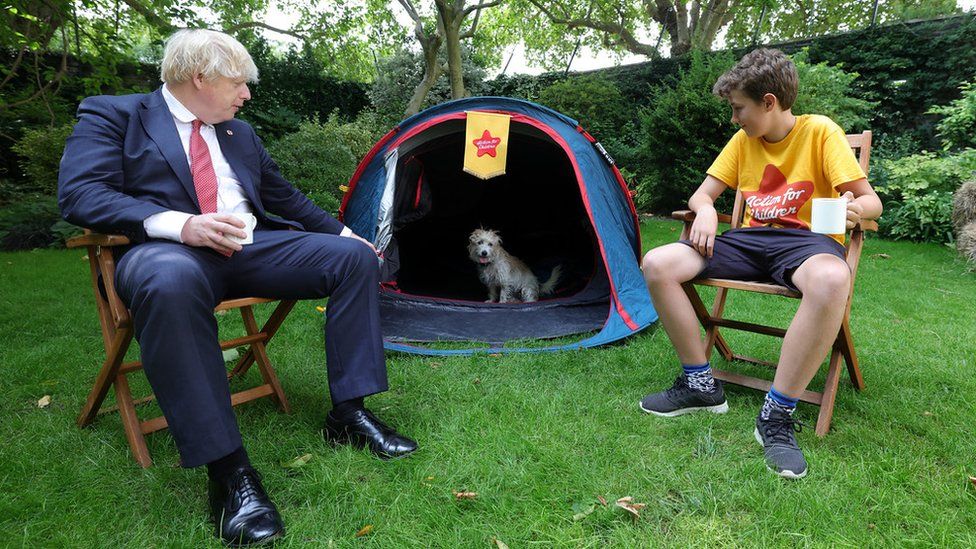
x=230, y=194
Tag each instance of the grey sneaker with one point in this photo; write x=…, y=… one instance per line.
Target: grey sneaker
x=681, y=399
x=776, y=434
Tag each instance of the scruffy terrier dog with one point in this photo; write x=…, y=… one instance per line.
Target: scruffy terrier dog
x=508, y=279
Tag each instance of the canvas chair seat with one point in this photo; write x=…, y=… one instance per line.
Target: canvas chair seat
x=117, y=334
x=712, y=321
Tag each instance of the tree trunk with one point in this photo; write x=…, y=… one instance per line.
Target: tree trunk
x=432, y=71
x=451, y=14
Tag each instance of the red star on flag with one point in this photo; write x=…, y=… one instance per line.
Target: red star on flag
x=487, y=144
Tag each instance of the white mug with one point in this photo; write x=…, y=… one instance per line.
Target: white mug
x=249, y=223
x=829, y=215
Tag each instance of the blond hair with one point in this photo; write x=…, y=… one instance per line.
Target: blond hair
x=760, y=72
x=213, y=54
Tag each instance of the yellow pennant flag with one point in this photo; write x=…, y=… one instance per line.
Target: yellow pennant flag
x=486, y=144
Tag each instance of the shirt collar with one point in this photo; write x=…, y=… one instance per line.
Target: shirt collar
x=180, y=112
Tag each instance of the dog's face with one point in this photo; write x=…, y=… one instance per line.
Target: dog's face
x=483, y=246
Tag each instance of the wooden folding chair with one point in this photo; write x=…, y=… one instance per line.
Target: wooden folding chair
x=117, y=333
x=711, y=322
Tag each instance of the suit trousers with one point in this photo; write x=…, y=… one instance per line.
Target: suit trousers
x=172, y=289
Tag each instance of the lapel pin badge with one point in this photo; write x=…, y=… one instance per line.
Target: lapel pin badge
x=230, y=132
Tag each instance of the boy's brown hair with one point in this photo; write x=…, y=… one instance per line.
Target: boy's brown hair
x=760, y=72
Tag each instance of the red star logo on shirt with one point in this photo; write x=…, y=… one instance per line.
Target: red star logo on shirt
x=777, y=202
x=487, y=144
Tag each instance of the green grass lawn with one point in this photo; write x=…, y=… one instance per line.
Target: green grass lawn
x=538, y=437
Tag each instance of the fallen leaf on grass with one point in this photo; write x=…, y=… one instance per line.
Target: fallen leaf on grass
x=881, y=256
x=972, y=480
x=927, y=413
x=298, y=462
x=44, y=402
x=871, y=526
x=365, y=531
x=436, y=365
x=603, y=500
x=495, y=354
x=429, y=478
x=464, y=495
x=320, y=309
x=83, y=258
x=499, y=543
x=627, y=504
x=582, y=510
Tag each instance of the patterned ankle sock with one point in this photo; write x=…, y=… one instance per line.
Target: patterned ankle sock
x=699, y=377
x=776, y=399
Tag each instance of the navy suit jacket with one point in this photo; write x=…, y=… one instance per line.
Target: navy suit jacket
x=124, y=162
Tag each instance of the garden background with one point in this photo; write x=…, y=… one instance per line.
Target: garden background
x=894, y=470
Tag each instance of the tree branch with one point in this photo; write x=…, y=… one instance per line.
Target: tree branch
x=251, y=24
x=150, y=15
x=481, y=6
x=627, y=38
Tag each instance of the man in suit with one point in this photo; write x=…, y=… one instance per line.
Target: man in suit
x=168, y=169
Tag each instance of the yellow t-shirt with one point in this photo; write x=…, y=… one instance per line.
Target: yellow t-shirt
x=779, y=180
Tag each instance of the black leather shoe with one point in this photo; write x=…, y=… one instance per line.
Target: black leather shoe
x=361, y=428
x=242, y=511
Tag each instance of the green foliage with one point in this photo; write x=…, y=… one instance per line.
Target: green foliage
x=40, y=151
x=320, y=157
x=917, y=192
x=400, y=73
x=958, y=128
x=295, y=87
x=906, y=69
x=920, y=218
x=33, y=223
x=682, y=129
x=919, y=174
x=828, y=90
x=594, y=101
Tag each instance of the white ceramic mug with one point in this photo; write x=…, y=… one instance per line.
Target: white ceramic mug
x=249, y=223
x=829, y=215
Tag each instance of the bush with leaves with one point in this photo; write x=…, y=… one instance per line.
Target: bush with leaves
x=958, y=127
x=594, y=101
x=33, y=223
x=318, y=158
x=828, y=90
x=917, y=193
x=40, y=151
x=922, y=218
x=399, y=74
x=682, y=130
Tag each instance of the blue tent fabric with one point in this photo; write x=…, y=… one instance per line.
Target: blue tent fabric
x=608, y=205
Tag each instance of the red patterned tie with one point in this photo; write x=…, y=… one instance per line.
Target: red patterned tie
x=204, y=177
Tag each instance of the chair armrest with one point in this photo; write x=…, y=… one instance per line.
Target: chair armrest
x=867, y=225
x=97, y=239
x=688, y=216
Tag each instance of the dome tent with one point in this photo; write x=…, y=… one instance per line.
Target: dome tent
x=562, y=202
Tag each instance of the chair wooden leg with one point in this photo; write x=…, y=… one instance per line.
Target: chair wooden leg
x=713, y=339
x=130, y=422
x=114, y=355
x=261, y=357
x=270, y=328
x=829, y=394
x=846, y=341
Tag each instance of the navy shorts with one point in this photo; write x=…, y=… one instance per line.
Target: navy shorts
x=766, y=254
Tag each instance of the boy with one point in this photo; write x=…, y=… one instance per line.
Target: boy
x=781, y=162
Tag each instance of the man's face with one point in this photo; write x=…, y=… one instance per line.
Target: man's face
x=221, y=98
x=754, y=117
